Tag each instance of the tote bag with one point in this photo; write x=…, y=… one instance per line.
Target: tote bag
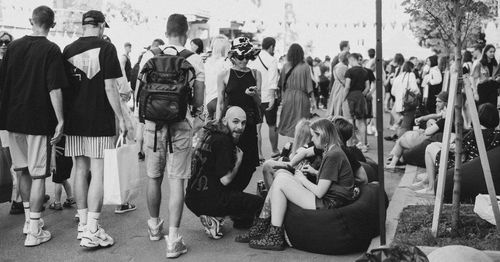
x=121, y=173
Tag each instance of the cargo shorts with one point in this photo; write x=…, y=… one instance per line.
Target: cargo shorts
x=176, y=165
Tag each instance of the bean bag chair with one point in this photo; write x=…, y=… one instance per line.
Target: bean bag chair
x=344, y=230
x=473, y=182
x=416, y=155
x=371, y=168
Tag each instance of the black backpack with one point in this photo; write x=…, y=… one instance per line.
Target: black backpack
x=166, y=94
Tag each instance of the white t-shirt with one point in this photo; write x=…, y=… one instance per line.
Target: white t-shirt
x=269, y=76
x=213, y=67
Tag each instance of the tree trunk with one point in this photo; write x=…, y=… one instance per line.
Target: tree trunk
x=457, y=178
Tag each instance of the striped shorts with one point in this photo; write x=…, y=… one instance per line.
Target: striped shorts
x=92, y=147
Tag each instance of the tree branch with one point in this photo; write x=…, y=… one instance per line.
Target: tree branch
x=440, y=23
x=467, y=27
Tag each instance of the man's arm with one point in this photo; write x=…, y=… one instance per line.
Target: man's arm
x=225, y=180
x=347, y=87
x=114, y=101
x=57, y=103
x=273, y=78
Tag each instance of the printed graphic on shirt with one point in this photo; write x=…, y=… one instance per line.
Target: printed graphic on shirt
x=87, y=62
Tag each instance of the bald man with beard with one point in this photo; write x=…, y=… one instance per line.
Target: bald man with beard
x=215, y=164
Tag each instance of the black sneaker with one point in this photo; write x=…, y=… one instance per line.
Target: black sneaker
x=125, y=208
x=16, y=208
x=391, y=138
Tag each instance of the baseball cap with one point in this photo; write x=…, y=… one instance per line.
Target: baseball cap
x=94, y=17
x=443, y=96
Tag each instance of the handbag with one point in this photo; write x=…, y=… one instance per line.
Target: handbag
x=121, y=173
x=5, y=174
x=411, y=100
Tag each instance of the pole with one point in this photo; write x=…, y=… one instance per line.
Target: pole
x=380, y=128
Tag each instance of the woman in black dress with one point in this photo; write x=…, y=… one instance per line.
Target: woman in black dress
x=240, y=86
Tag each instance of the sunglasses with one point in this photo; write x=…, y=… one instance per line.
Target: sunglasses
x=241, y=57
x=4, y=42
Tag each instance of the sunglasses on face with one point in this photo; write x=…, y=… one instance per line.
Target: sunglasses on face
x=4, y=42
x=243, y=57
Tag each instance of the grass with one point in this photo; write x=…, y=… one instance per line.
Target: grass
x=415, y=223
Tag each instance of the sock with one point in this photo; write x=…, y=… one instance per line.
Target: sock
x=173, y=234
x=82, y=213
x=26, y=206
x=154, y=220
x=93, y=219
x=34, y=220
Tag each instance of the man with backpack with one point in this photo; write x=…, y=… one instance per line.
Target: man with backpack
x=91, y=104
x=170, y=103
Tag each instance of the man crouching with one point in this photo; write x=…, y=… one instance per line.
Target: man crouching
x=215, y=163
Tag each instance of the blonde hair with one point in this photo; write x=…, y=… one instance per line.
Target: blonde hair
x=220, y=46
x=327, y=132
x=302, y=134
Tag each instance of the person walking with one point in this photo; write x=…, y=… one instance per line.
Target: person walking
x=214, y=66
x=92, y=104
x=31, y=110
x=297, y=85
x=173, y=162
x=267, y=65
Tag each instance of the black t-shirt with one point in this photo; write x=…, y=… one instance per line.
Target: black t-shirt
x=128, y=68
x=89, y=61
x=210, y=162
x=358, y=76
x=31, y=68
x=371, y=75
x=352, y=158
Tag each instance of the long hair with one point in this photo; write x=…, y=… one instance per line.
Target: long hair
x=327, y=132
x=399, y=59
x=220, y=46
x=302, y=134
x=295, y=55
x=484, y=57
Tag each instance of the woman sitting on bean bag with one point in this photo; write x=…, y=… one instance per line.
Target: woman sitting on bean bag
x=489, y=119
x=334, y=188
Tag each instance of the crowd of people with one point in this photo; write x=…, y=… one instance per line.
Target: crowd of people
x=197, y=119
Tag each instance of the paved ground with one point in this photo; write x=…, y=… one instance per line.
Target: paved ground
x=130, y=234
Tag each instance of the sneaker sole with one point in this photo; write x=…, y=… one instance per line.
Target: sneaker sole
x=207, y=224
x=87, y=243
x=36, y=244
x=125, y=211
x=177, y=254
x=154, y=238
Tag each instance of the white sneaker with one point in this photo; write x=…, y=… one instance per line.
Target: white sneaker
x=213, y=227
x=155, y=230
x=36, y=239
x=99, y=238
x=81, y=229
x=176, y=248
x=26, y=227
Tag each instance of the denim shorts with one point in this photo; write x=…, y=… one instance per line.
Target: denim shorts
x=176, y=165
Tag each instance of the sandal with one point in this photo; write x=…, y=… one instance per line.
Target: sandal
x=55, y=206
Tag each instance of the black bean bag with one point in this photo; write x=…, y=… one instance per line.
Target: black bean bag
x=339, y=231
x=416, y=155
x=371, y=169
x=473, y=182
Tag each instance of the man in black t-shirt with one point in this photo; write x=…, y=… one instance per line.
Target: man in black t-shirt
x=215, y=163
x=92, y=101
x=357, y=86
x=31, y=110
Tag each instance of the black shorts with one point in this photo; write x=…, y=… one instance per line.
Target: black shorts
x=63, y=172
x=271, y=115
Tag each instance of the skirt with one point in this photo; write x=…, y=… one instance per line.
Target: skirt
x=92, y=147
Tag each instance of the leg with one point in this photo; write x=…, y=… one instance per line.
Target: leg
x=268, y=170
x=286, y=188
x=175, y=205
x=57, y=193
x=271, y=119
x=273, y=138
x=67, y=189
x=259, y=141
x=82, y=167
x=95, y=190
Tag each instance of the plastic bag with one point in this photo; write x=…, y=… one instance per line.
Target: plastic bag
x=483, y=208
